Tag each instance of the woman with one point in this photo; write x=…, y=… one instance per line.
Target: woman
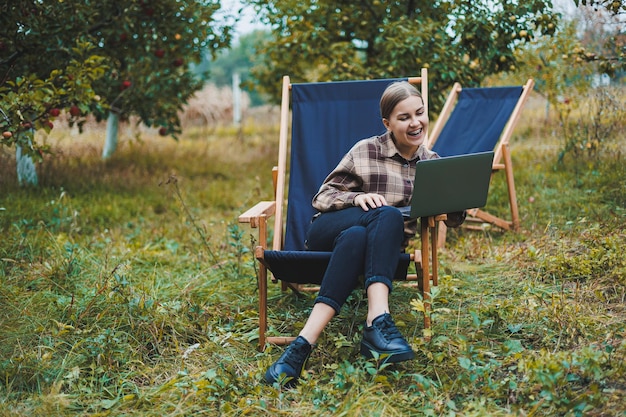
x=358, y=220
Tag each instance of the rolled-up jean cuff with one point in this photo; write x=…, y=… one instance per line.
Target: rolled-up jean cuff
x=328, y=301
x=378, y=278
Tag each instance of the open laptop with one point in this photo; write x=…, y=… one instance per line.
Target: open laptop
x=450, y=184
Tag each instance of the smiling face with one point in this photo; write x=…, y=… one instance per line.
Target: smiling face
x=408, y=123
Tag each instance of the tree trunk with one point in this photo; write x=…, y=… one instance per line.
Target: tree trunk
x=26, y=172
x=110, y=144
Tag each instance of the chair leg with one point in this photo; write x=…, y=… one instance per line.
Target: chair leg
x=434, y=237
x=441, y=235
x=260, y=256
x=510, y=181
x=425, y=274
x=262, y=306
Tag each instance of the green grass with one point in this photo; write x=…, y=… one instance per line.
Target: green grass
x=127, y=288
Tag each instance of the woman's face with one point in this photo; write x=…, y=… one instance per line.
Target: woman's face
x=409, y=123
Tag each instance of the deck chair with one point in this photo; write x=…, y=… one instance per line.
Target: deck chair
x=478, y=120
x=326, y=120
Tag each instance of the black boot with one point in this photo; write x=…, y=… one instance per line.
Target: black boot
x=384, y=338
x=288, y=367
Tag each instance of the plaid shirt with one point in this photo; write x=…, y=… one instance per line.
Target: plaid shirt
x=373, y=165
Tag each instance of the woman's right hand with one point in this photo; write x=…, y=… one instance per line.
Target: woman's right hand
x=369, y=200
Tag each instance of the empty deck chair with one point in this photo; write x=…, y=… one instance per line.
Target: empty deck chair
x=478, y=120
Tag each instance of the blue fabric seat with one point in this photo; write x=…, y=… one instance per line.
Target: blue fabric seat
x=308, y=267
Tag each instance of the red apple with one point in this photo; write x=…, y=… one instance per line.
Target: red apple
x=54, y=112
x=75, y=111
x=163, y=131
x=125, y=84
x=178, y=62
x=159, y=53
x=49, y=124
x=7, y=135
x=27, y=125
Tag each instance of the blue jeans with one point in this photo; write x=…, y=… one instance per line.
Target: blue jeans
x=362, y=243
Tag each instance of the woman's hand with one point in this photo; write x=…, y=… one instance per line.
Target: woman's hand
x=369, y=200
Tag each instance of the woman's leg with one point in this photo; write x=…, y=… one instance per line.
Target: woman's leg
x=341, y=278
x=344, y=234
x=338, y=234
x=362, y=242
x=377, y=301
x=318, y=319
x=385, y=234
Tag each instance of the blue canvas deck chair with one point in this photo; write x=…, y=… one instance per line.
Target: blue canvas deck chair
x=326, y=120
x=477, y=120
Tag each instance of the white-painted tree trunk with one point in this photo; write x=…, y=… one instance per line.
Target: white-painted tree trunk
x=26, y=172
x=236, y=99
x=110, y=143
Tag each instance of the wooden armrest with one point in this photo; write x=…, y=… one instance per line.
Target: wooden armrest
x=266, y=208
x=497, y=167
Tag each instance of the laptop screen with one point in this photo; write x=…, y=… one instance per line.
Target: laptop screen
x=451, y=184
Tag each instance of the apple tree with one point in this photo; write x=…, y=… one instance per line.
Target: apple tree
x=458, y=40
x=108, y=58
x=150, y=45
x=565, y=67
x=610, y=52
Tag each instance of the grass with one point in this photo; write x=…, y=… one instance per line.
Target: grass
x=128, y=289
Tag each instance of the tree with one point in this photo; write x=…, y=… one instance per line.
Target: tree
x=106, y=58
x=614, y=7
x=604, y=19
x=458, y=40
x=564, y=69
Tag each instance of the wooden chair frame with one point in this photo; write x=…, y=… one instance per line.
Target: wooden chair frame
x=425, y=259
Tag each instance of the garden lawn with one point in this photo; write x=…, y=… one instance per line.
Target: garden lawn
x=128, y=288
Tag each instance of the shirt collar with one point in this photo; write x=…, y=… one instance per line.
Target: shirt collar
x=389, y=149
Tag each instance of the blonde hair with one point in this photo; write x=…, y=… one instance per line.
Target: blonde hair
x=395, y=93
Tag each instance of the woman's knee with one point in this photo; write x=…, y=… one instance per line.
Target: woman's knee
x=391, y=214
x=390, y=218
x=354, y=237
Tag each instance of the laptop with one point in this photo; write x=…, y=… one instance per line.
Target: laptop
x=450, y=184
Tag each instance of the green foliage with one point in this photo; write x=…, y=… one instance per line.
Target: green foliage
x=458, y=41
x=28, y=102
x=92, y=58
x=557, y=74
